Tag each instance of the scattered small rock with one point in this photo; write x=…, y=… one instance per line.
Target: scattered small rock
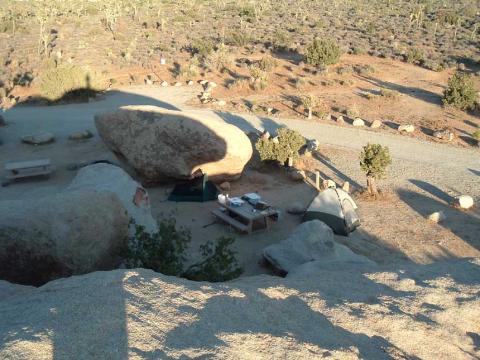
x=203, y=82
x=148, y=81
x=221, y=103
x=443, y=135
x=81, y=135
x=210, y=86
x=437, y=217
x=406, y=128
x=461, y=67
x=376, y=124
x=269, y=110
x=225, y=186
x=340, y=119
x=40, y=138
x=463, y=201
x=358, y=122
x=312, y=145
x=265, y=135
x=346, y=187
x=189, y=82
x=164, y=83
x=296, y=209
x=297, y=175
x=177, y=84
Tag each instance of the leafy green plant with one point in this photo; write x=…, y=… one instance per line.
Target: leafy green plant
x=322, y=52
x=220, y=263
x=309, y=102
x=287, y=144
x=415, y=56
x=258, y=77
x=202, y=47
x=164, y=252
x=374, y=160
x=69, y=82
x=460, y=92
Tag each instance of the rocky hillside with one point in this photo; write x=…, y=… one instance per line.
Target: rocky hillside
x=347, y=312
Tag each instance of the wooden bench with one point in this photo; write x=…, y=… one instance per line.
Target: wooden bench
x=231, y=221
x=23, y=169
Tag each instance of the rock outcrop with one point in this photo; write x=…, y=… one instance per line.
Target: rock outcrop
x=407, y=311
x=71, y=233
x=310, y=241
x=110, y=178
x=162, y=144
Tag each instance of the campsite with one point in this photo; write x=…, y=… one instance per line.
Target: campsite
x=239, y=179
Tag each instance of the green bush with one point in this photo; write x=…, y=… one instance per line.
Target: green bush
x=415, y=56
x=220, y=263
x=202, y=47
x=476, y=135
x=164, y=252
x=460, y=92
x=69, y=82
x=374, y=160
x=286, y=144
x=323, y=52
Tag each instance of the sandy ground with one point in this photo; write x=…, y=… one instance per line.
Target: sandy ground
x=423, y=178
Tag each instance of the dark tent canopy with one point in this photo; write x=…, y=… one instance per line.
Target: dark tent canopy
x=198, y=189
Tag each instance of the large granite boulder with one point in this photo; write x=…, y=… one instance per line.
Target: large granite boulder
x=162, y=144
x=104, y=177
x=70, y=233
x=310, y=241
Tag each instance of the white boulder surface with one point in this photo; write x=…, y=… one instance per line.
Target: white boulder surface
x=70, y=233
x=110, y=178
x=162, y=144
x=310, y=241
x=408, y=311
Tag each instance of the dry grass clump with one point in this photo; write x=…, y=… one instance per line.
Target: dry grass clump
x=69, y=82
x=219, y=60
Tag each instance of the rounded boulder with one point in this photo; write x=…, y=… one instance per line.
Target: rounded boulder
x=164, y=144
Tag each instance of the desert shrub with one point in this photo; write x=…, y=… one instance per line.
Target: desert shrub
x=389, y=94
x=267, y=63
x=353, y=111
x=189, y=70
x=219, y=59
x=202, y=47
x=322, y=52
x=258, y=77
x=460, y=92
x=310, y=102
x=415, y=56
x=164, y=252
x=374, y=160
x=239, y=38
x=364, y=69
x=281, y=41
x=476, y=135
x=69, y=82
x=286, y=144
x=220, y=263
x=239, y=84
x=299, y=82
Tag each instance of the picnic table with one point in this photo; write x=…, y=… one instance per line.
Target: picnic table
x=246, y=218
x=22, y=169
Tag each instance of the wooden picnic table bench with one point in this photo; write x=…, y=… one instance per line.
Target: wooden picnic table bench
x=22, y=169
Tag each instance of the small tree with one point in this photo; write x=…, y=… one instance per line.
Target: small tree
x=286, y=145
x=309, y=102
x=374, y=160
x=323, y=52
x=460, y=92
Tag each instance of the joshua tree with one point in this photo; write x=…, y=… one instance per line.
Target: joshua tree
x=374, y=160
x=309, y=102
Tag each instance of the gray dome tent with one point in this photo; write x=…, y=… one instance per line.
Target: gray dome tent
x=336, y=209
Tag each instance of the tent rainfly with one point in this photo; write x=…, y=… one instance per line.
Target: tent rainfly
x=336, y=209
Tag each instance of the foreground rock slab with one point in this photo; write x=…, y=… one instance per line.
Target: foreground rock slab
x=411, y=311
x=67, y=234
x=310, y=241
x=163, y=144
